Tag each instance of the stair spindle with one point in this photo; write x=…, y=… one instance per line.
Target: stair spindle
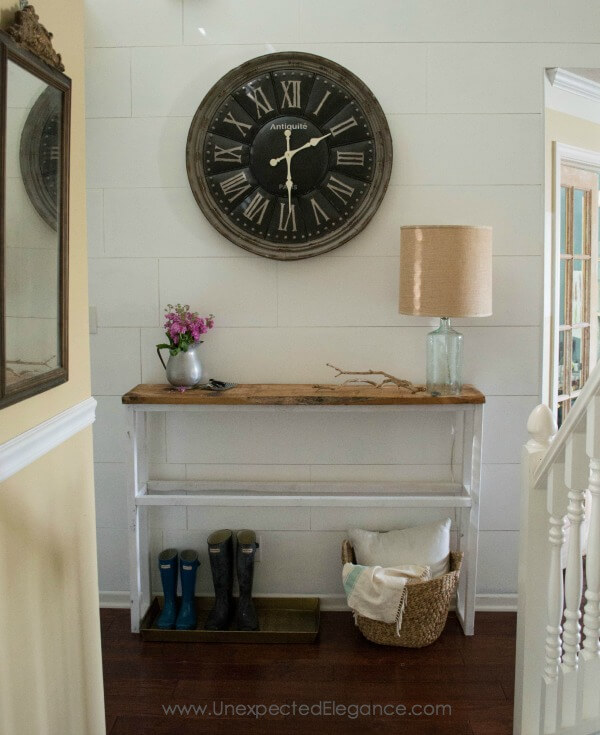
x=576, y=478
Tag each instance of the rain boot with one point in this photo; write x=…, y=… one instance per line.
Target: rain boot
x=220, y=553
x=167, y=564
x=246, y=618
x=188, y=564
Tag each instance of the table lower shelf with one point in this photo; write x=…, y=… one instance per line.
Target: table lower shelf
x=345, y=494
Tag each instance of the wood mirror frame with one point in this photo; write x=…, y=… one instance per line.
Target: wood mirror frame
x=27, y=44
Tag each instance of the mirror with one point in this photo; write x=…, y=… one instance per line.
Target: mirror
x=35, y=133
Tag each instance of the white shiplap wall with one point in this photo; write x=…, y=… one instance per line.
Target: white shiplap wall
x=462, y=86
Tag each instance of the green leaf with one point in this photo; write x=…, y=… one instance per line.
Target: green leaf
x=163, y=347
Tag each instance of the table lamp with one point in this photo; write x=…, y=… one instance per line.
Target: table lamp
x=445, y=271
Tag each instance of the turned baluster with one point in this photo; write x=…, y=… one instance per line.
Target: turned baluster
x=576, y=479
x=556, y=537
x=557, y=511
x=590, y=655
x=591, y=612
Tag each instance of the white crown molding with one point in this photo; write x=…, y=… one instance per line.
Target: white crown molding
x=24, y=449
x=570, y=82
x=484, y=603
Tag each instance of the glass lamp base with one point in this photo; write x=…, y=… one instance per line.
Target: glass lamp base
x=444, y=360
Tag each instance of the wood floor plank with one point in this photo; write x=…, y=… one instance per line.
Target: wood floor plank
x=475, y=676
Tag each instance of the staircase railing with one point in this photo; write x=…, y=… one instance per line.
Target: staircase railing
x=557, y=688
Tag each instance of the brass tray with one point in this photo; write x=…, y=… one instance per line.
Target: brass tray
x=281, y=620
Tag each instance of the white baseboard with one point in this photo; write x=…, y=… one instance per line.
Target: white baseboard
x=114, y=600
x=506, y=602
x=25, y=448
x=484, y=603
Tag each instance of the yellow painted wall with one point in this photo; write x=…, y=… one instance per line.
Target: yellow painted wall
x=571, y=130
x=50, y=667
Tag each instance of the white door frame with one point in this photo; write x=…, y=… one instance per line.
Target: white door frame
x=567, y=155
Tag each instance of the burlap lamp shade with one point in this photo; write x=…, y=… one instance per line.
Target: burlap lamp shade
x=446, y=270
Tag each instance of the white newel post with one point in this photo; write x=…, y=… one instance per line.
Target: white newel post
x=590, y=657
x=533, y=570
x=576, y=479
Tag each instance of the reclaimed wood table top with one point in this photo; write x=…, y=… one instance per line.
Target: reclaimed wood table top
x=295, y=394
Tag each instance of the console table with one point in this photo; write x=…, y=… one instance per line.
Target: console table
x=463, y=495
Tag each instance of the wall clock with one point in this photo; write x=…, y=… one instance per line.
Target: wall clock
x=40, y=155
x=289, y=155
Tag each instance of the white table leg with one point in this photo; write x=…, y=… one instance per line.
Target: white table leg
x=137, y=477
x=469, y=525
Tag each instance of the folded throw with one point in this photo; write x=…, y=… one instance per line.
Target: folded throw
x=379, y=593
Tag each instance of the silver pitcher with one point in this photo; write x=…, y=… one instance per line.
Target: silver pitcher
x=184, y=368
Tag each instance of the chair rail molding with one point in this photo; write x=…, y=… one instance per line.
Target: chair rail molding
x=571, y=82
x=25, y=448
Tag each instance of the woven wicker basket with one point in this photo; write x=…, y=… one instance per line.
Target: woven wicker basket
x=425, y=613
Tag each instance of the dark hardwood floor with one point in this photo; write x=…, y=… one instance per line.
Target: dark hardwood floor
x=475, y=676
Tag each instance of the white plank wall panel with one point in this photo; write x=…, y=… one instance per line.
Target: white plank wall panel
x=307, y=437
x=95, y=222
x=127, y=151
x=242, y=291
x=110, y=92
x=421, y=145
x=124, y=291
x=461, y=84
x=168, y=224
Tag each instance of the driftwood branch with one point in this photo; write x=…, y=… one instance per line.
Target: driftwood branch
x=387, y=379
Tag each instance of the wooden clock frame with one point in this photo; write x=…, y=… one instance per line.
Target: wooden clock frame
x=372, y=111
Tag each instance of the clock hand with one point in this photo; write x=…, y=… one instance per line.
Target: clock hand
x=288, y=159
x=311, y=143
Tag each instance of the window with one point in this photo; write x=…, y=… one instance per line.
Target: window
x=577, y=317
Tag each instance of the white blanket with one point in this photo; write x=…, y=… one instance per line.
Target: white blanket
x=379, y=593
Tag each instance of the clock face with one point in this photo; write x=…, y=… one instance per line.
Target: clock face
x=289, y=155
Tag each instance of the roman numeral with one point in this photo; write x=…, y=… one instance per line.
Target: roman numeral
x=340, y=189
x=260, y=100
x=322, y=102
x=256, y=208
x=343, y=126
x=228, y=155
x=241, y=126
x=350, y=158
x=54, y=153
x=235, y=186
x=318, y=211
x=291, y=99
x=284, y=221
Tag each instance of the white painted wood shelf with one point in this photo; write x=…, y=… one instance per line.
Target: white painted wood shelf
x=144, y=492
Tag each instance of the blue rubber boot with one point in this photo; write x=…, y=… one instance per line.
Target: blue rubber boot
x=188, y=564
x=167, y=563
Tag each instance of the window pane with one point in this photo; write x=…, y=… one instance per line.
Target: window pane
x=562, y=413
x=563, y=270
x=563, y=219
x=578, y=205
x=577, y=296
x=561, y=362
x=577, y=360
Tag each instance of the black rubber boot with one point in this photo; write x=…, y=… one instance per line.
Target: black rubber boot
x=247, y=619
x=220, y=553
